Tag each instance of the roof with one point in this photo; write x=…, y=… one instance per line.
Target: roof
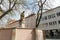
x=14, y=22
x=30, y=15
x=11, y=21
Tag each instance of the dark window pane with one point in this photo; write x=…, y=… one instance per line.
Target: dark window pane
x=53, y=15
x=45, y=17
x=54, y=22
x=58, y=14
x=59, y=22
x=50, y=23
x=49, y=16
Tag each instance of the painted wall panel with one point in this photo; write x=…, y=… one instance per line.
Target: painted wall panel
x=23, y=34
x=5, y=34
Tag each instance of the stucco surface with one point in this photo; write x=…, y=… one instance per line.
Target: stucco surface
x=5, y=34
x=23, y=34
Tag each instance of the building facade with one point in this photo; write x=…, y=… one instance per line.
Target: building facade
x=51, y=19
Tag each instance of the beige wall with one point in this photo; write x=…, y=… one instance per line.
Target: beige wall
x=23, y=34
x=29, y=34
x=5, y=34
x=30, y=22
x=40, y=35
x=20, y=34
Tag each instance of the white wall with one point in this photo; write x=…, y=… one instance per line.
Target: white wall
x=53, y=11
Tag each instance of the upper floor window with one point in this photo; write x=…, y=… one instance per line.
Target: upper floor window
x=51, y=16
x=58, y=14
x=45, y=17
x=59, y=22
x=52, y=23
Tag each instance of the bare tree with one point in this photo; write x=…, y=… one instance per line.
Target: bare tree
x=10, y=6
x=1, y=1
x=39, y=16
x=41, y=4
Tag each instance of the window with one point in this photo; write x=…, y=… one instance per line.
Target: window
x=58, y=14
x=59, y=22
x=45, y=17
x=53, y=15
x=49, y=16
x=50, y=23
x=54, y=22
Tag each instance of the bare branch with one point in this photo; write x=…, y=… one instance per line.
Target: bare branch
x=1, y=1
x=44, y=2
x=14, y=3
x=5, y=13
x=9, y=10
x=38, y=19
